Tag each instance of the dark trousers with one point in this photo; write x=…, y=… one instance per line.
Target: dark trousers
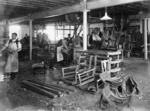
x=13, y=75
x=65, y=62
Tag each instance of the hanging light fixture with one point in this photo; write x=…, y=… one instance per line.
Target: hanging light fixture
x=106, y=17
x=140, y=12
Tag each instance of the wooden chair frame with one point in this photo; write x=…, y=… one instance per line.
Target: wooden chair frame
x=86, y=77
x=105, y=74
x=115, y=63
x=84, y=67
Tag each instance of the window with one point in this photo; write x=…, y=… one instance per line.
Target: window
x=66, y=32
x=59, y=35
x=63, y=31
x=55, y=32
x=16, y=29
x=50, y=31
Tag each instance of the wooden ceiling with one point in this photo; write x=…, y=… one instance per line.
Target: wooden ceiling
x=17, y=8
x=126, y=9
x=115, y=12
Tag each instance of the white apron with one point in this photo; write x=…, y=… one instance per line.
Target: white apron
x=59, y=54
x=12, y=60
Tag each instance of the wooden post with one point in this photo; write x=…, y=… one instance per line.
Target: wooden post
x=7, y=29
x=30, y=32
x=85, y=27
x=145, y=39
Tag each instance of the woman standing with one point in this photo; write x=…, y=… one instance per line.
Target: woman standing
x=14, y=46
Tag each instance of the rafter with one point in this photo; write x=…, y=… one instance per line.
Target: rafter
x=95, y=4
x=27, y=4
x=18, y=5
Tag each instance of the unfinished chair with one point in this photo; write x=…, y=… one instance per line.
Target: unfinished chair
x=85, y=77
x=99, y=62
x=99, y=69
x=116, y=59
x=106, y=74
x=119, y=94
x=84, y=65
x=103, y=72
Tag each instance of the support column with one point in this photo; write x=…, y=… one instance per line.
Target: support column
x=85, y=27
x=7, y=29
x=30, y=33
x=145, y=40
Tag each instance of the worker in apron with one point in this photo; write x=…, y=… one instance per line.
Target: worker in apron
x=13, y=47
x=61, y=46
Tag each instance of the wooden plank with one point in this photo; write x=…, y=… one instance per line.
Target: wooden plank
x=46, y=88
x=69, y=73
x=50, y=86
x=64, y=88
x=39, y=90
x=88, y=81
x=86, y=78
x=116, y=61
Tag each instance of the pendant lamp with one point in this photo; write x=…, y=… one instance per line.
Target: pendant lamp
x=105, y=17
x=140, y=12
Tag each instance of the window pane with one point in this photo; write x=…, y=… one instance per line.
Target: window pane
x=66, y=32
x=72, y=32
x=51, y=33
x=60, y=34
x=71, y=27
x=60, y=27
x=66, y=27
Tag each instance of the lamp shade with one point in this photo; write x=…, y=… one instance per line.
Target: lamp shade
x=105, y=17
x=140, y=12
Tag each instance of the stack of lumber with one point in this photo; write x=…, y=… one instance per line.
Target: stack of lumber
x=51, y=91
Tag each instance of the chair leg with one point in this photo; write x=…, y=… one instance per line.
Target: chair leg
x=101, y=100
x=104, y=104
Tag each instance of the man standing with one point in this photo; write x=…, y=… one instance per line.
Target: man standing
x=69, y=39
x=13, y=46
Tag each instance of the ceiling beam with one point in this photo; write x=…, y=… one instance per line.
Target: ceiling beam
x=18, y=5
x=45, y=2
x=57, y=12
x=77, y=7
x=58, y=1
x=18, y=20
x=38, y=2
x=140, y=16
x=109, y=3
x=28, y=4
